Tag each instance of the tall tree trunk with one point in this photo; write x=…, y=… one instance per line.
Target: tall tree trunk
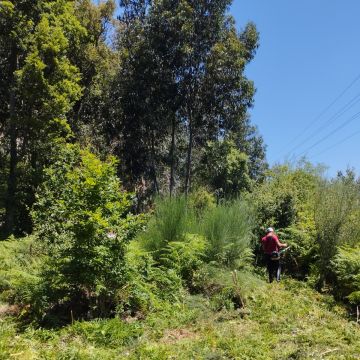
x=153, y=165
x=189, y=156
x=172, y=157
x=11, y=181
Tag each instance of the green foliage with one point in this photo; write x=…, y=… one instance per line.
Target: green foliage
x=148, y=285
x=227, y=229
x=83, y=223
x=48, y=71
x=286, y=201
x=201, y=200
x=98, y=63
x=346, y=265
x=186, y=256
x=112, y=333
x=302, y=255
x=180, y=240
x=286, y=197
x=20, y=262
x=225, y=289
x=39, y=87
x=171, y=221
x=313, y=215
x=225, y=169
x=288, y=319
x=337, y=202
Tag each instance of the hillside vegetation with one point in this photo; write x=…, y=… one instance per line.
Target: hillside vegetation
x=185, y=279
x=280, y=321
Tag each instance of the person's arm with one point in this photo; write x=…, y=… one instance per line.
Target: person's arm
x=279, y=244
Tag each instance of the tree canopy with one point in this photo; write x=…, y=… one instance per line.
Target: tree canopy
x=153, y=87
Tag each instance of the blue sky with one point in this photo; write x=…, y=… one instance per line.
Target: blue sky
x=309, y=54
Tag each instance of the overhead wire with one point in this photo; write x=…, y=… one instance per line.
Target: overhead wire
x=341, y=126
x=355, y=100
x=318, y=117
x=336, y=144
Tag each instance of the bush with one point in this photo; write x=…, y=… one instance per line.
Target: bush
x=227, y=228
x=346, y=265
x=179, y=242
x=149, y=284
x=302, y=253
x=226, y=289
x=172, y=219
x=336, y=203
x=83, y=223
x=287, y=197
x=201, y=200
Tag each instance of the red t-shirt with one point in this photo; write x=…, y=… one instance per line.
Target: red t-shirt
x=270, y=243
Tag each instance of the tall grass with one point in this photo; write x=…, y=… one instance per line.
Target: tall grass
x=227, y=228
x=171, y=221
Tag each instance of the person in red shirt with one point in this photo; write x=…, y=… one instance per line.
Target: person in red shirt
x=271, y=246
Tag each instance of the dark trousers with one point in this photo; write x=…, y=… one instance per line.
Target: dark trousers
x=273, y=268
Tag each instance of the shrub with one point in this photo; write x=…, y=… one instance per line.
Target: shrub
x=83, y=223
x=286, y=197
x=302, y=253
x=171, y=220
x=346, y=265
x=227, y=228
x=201, y=200
x=336, y=202
x=149, y=284
x=226, y=289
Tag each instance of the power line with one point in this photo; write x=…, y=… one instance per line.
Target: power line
x=348, y=121
x=337, y=144
x=311, y=123
x=341, y=112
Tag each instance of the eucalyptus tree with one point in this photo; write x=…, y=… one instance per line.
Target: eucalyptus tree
x=181, y=84
x=144, y=94
x=182, y=77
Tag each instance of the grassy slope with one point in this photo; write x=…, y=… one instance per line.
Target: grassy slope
x=281, y=321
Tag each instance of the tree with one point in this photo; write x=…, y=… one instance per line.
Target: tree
x=83, y=223
x=181, y=84
x=225, y=169
x=38, y=87
x=91, y=116
x=146, y=92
